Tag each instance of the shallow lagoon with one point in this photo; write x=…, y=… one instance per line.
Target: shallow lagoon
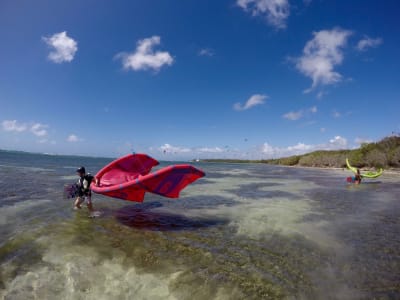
x=244, y=231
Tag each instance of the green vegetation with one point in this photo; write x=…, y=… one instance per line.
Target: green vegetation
x=383, y=154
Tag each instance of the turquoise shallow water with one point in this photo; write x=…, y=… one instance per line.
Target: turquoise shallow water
x=243, y=231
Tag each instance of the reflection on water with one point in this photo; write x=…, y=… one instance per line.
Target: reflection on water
x=244, y=231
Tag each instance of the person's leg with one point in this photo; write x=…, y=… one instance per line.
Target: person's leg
x=89, y=202
x=78, y=202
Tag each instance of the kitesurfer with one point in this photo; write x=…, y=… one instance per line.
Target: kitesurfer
x=357, y=177
x=84, y=191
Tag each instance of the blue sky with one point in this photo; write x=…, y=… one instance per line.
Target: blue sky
x=187, y=79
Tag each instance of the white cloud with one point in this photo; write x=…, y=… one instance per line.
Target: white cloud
x=269, y=151
x=167, y=148
x=72, y=138
x=13, y=125
x=321, y=54
x=178, y=150
x=368, y=42
x=209, y=150
x=361, y=141
x=296, y=115
x=63, y=47
x=320, y=94
x=264, y=151
x=336, y=114
x=293, y=115
x=275, y=11
x=206, y=52
x=144, y=57
x=337, y=142
x=254, y=100
x=300, y=147
x=39, y=129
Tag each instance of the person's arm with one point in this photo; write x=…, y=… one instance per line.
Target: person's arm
x=95, y=180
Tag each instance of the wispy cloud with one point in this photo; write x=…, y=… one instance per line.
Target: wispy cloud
x=338, y=142
x=144, y=57
x=254, y=100
x=293, y=115
x=170, y=149
x=72, y=138
x=39, y=129
x=360, y=141
x=264, y=150
x=296, y=115
x=336, y=114
x=63, y=47
x=13, y=126
x=367, y=42
x=275, y=11
x=209, y=150
x=206, y=52
x=320, y=56
x=167, y=148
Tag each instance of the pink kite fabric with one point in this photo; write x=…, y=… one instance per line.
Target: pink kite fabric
x=129, y=178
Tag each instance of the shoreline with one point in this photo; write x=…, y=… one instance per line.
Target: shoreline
x=395, y=171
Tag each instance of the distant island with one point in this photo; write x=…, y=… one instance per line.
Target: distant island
x=383, y=154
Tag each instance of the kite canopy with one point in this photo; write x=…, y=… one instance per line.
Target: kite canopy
x=366, y=174
x=129, y=178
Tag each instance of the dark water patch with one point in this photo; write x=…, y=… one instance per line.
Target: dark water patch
x=218, y=175
x=377, y=253
x=214, y=257
x=20, y=185
x=198, y=202
x=336, y=203
x=276, y=268
x=203, y=181
x=255, y=191
x=142, y=217
x=371, y=182
x=366, y=218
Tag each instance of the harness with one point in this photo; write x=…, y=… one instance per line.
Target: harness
x=84, y=184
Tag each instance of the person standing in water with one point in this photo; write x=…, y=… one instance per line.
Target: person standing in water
x=357, y=177
x=84, y=191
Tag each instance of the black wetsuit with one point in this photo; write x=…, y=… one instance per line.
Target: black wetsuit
x=84, y=185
